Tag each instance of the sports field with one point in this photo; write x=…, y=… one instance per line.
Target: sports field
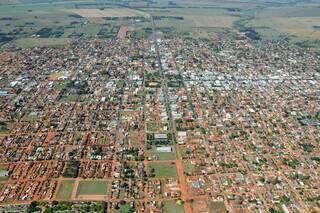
x=90, y=188
x=65, y=190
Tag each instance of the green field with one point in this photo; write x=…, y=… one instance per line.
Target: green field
x=92, y=187
x=188, y=168
x=217, y=207
x=172, y=207
x=6, y=127
x=162, y=170
x=298, y=23
x=65, y=190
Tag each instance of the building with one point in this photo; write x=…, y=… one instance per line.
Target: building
x=164, y=149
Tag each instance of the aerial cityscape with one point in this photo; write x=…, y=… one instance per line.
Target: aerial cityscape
x=160, y=106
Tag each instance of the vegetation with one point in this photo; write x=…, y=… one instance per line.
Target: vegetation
x=161, y=170
x=94, y=187
x=65, y=190
x=72, y=169
x=172, y=207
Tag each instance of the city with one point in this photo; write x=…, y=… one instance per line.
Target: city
x=161, y=124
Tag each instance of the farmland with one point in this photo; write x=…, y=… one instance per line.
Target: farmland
x=108, y=12
x=55, y=24
x=295, y=21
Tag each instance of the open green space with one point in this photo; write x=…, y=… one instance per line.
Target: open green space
x=161, y=170
x=92, y=187
x=188, y=168
x=172, y=206
x=6, y=126
x=157, y=126
x=65, y=190
x=71, y=97
x=125, y=208
x=217, y=207
x=5, y=178
x=3, y=167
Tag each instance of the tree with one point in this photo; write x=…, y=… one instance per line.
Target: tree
x=32, y=207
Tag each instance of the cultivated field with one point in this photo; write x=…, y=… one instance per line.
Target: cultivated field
x=296, y=26
x=211, y=21
x=108, y=12
x=296, y=21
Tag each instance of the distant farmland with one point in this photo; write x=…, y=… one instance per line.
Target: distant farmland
x=108, y=12
x=295, y=21
x=211, y=21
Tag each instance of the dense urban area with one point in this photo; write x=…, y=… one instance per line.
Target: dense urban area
x=160, y=123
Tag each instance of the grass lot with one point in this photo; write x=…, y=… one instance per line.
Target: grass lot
x=125, y=208
x=184, y=151
x=6, y=127
x=162, y=155
x=162, y=170
x=92, y=187
x=217, y=207
x=65, y=190
x=135, y=137
x=31, y=117
x=157, y=126
x=56, y=75
x=71, y=97
x=4, y=178
x=188, y=168
x=3, y=167
x=172, y=207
